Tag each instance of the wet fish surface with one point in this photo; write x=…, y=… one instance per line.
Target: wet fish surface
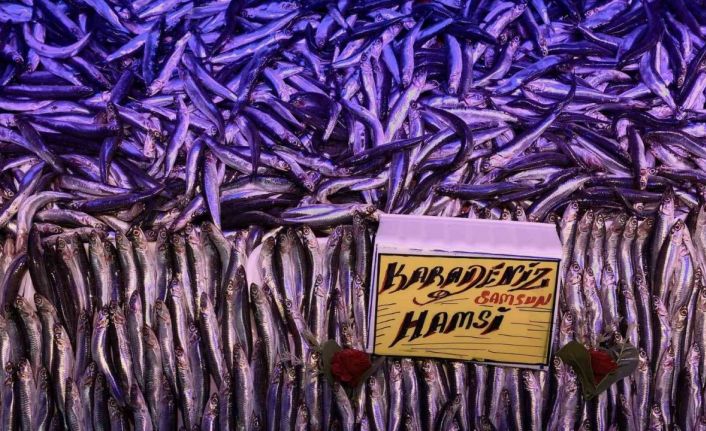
x=147, y=148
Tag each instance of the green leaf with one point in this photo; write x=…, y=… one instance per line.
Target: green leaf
x=576, y=355
x=627, y=358
x=328, y=349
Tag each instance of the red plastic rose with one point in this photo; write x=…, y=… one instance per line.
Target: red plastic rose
x=349, y=365
x=602, y=364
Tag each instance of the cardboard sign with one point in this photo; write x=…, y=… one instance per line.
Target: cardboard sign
x=466, y=304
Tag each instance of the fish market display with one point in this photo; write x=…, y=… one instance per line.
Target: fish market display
x=148, y=147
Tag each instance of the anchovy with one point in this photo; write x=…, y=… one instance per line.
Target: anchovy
x=185, y=386
x=410, y=392
x=101, y=354
x=689, y=402
x=100, y=413
x=62, y=366
x=209, y=328
x=165, y=338
x=25, y=394
x=199, y=369
x=134, y=321
x=31, y=328
x=152, y=374
x=243, y=383
x=44, y=405
x=74, y=410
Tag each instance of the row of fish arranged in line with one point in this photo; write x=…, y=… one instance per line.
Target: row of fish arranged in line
x=154, y=329
x=637, y=280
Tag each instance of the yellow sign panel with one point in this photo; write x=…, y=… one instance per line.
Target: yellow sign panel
x=486, y=309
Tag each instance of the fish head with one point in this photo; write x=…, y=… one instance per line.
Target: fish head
x=178, y=242
x=574, y=273
x=161, y=312
x=192, y=235
x=567, y=323
x=22, y=306
x=645, y=227
x=586, y=222
x=229, y=290
x=656, y=412
x=308, y=238
x=589, y=278
x=102, y=318
x=693, y=357
x=239, y=356
x=520, y=213
x=571, y=213
x=303, y=411
x=138, y=238
x=666, y=205
x=24, y=369
x=669, y=355
x=599, y=224
x=571, y=380
x=372, y=384
x=630, y=228
x=643, y=363
x=72, y=390
x=194, y=335
x=558, y=365
x=268, y=246
x=84, y=322
x=9, y=368
x=394, y=370
x=117, y=316
x=675, y=232
x=608, y=275
x=149, y=338
x=135, y=303
x=313, y=362
x=95, y=239
x=212, y=404
x=60, y=339
x=427, y=369
x=182, y=361
x=43, y=379
x=505, y=397
x=619, y=223
x=257, y=294
x=639, y=278
x=659, y=307
x=62, y=246
x=162, y=239
x=100, y=382
x=114, y=408
x=529, y=380
x=680, y=318
x=122, y=242
x=407, y=365
x=89, y=375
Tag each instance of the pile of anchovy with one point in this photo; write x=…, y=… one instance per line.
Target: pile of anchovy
x=147, y=147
